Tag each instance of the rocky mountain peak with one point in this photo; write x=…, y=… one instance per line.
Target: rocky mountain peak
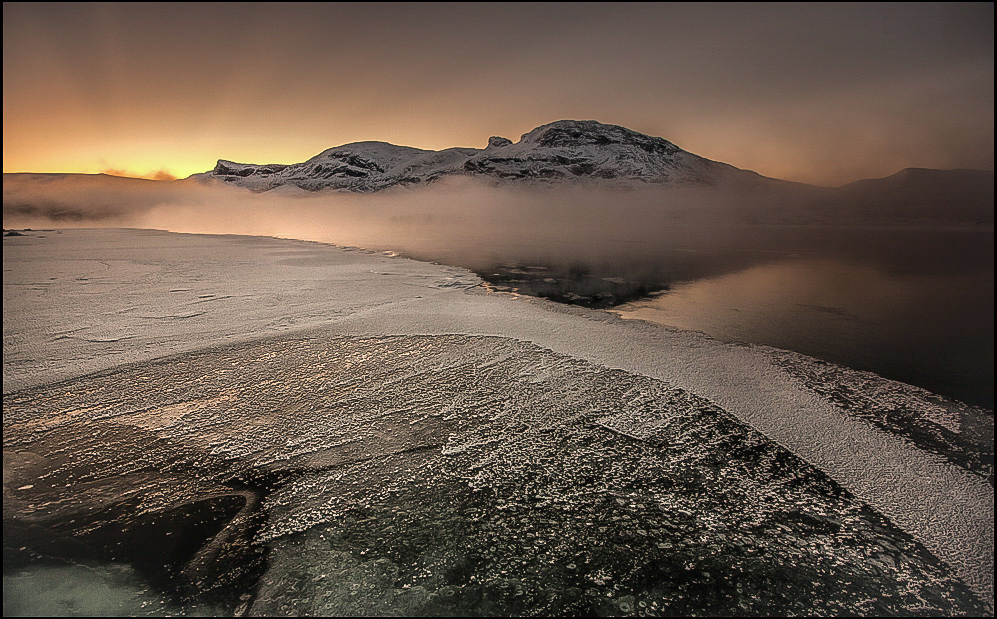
x=498, y=142
x=561, y=151
x=574, y=133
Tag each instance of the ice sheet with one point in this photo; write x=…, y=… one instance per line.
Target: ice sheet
x=129, y=296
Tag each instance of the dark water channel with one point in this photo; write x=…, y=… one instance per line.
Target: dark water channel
x=910, y=304
x=121, y=561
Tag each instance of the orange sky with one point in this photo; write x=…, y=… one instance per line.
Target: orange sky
x=823, y=94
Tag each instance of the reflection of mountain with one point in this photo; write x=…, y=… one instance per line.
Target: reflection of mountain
x=559, y=151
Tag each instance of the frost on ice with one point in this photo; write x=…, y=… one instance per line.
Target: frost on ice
x=445, y=475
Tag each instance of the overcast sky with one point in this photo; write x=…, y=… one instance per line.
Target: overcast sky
x=824, y=94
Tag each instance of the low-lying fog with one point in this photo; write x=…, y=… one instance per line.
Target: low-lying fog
x=603, y=246
x=643, y=233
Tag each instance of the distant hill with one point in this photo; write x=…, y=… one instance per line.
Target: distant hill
x=924, y=194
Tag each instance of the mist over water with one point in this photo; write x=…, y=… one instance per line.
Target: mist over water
x=909, y=298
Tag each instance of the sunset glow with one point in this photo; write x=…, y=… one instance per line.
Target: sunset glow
x=498, y=309
x=158, y=87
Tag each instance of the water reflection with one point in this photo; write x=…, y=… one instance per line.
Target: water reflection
x=933, y=329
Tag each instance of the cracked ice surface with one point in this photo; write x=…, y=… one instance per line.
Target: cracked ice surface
x=471, y=474
x=638, y=449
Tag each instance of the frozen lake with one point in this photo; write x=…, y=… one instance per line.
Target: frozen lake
x=302, y=429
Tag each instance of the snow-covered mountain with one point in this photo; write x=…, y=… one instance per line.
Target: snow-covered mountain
x=566, y=150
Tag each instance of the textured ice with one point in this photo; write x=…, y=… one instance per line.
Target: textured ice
x=961, y=433
x=467, y=474
x=408, y=443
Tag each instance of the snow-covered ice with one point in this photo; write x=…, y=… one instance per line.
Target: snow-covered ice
x=403, y=441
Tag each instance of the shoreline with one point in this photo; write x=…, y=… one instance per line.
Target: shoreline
x=356, y=294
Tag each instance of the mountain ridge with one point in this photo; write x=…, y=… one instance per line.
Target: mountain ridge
x=564, y=150
x=586, y=154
